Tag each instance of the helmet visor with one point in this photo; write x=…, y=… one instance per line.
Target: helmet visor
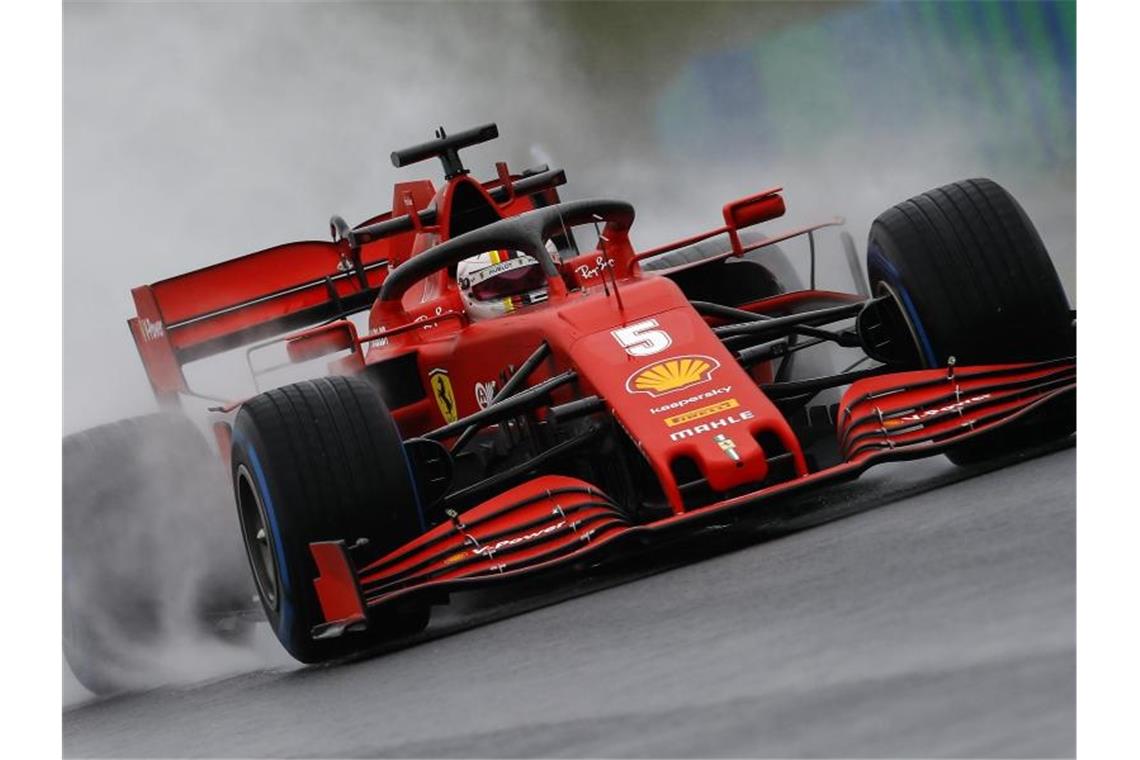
x=509, y=283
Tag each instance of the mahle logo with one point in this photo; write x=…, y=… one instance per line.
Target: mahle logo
x=714, y=425
x=671, y=375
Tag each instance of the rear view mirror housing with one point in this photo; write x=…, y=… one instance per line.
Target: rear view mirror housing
x=754, y=209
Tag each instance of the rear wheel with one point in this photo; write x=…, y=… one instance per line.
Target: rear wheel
x=148, y=548
x=321, y=460
x=973, y=280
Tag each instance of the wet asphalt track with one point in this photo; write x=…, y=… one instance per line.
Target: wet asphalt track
x=936, y=618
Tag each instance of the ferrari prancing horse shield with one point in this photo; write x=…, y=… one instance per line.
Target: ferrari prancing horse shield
x=444, y=395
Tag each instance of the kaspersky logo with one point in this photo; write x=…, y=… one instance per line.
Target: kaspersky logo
x=669, y=375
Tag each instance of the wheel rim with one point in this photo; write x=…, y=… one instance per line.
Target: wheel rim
x=883, y=289
x=255, y=533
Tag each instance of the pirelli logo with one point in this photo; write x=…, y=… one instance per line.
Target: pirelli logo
x=704, y=411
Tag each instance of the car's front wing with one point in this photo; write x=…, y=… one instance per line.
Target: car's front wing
x=554, y=520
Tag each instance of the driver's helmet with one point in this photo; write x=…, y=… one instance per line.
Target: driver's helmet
x=498, y=282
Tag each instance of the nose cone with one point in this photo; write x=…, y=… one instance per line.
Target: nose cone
x=680, y=394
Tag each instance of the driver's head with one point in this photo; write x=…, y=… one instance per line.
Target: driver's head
x=498, y=282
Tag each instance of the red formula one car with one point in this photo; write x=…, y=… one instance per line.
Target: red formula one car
x=519, y=400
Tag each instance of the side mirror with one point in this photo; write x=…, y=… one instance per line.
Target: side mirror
x=745, y=212
x=323, y=340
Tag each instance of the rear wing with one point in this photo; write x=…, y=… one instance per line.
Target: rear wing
x=293, y=286
x=227, y=305
x=262, y=295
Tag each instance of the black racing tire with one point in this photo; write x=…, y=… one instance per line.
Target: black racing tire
x=973, y=279
x=143, y=500
x=321, y=460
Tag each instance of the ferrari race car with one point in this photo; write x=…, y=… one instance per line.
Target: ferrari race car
x=520, y=399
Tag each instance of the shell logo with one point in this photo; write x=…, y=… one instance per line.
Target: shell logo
x=670, y=375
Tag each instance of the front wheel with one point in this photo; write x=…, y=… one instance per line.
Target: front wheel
x=973, y=280
x=320, y=460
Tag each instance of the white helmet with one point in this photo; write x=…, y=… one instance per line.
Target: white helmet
x=498, y=282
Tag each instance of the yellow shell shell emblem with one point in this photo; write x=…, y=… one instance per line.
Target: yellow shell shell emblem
x=672, y=375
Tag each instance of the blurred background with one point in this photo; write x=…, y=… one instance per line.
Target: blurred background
x=195, y=132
